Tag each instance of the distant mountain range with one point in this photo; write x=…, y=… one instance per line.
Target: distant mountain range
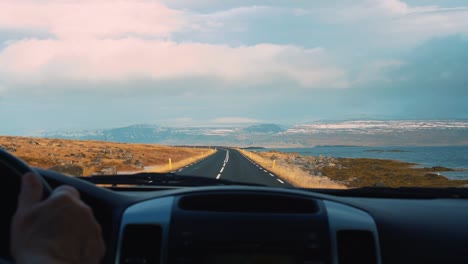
x=356, y=132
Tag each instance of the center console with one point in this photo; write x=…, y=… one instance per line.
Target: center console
x=248, y=228
x=235, y=226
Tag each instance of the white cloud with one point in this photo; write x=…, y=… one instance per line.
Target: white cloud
x=383, y=22
x=96, y=18
x=419, y=27
x=389, y=23
x=108, y=41
x=234, y=120
x=119, y=41
x=99, y=60
x=395, y=23
x=365, y=10
x=234, y=19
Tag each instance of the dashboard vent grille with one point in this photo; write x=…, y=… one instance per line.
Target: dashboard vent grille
x=141, y=244
x=254, y=203
x=356, y=246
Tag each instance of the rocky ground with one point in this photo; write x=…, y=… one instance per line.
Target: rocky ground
x=361, y=172
x=313, y=165
x=80, y=157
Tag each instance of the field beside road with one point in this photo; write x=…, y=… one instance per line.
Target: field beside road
x=280, y=163
x=85, y=157
x=330, y=172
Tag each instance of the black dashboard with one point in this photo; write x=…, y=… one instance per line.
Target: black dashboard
x=250, y=224
x=246, y=225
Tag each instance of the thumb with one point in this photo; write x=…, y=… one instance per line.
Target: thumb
x=31, y=191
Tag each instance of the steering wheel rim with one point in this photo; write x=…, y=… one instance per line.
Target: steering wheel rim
x=11, y=171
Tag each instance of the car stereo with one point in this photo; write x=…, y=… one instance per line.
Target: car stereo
x=261, y=229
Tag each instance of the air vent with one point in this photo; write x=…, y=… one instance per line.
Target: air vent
x=141, y=244
x=356, y=246
x=242, y=202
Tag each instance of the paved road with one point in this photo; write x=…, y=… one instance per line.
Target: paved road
x=230, y=164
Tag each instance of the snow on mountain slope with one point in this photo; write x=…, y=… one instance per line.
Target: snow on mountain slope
x=374, y=126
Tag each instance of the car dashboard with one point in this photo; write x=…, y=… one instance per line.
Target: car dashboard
x=246, y=226
x=255, y=224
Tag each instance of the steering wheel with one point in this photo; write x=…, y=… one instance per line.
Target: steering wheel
x=11, y=171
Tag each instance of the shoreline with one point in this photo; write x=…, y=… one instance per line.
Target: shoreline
x=365, y=172
x=453, y=157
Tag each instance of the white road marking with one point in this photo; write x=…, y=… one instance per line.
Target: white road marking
x=226, y=159
x=265, y=170
x=180, y=170
x=280, y=181
x=272, y=175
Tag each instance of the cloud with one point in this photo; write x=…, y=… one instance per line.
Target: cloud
x=92, y=18
x=235, y=19
x=119, y=41
x=389, y=23
x=107, y=42
x=101, y=60
x=396, y=23
x=234, y=120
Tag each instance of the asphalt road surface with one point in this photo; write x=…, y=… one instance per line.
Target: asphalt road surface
x=230, y=164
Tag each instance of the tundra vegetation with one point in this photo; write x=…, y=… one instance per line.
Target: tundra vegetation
x=87, y=157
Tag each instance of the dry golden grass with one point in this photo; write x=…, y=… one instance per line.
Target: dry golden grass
x=181, y=163
x=293, y=174
x=361, y=172
x=94, y=155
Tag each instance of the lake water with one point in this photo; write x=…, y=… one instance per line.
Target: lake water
x=455, y=157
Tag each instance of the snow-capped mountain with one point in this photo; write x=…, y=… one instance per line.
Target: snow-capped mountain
x=375, y=126
x=356, y=132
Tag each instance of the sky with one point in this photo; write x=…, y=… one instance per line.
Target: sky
x=91, y=64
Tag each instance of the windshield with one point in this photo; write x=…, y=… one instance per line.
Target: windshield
x=288, y=94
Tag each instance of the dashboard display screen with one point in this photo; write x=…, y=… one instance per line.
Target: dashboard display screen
x=249, y=259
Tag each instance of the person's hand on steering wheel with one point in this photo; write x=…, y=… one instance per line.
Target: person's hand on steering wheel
x=60, y=229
